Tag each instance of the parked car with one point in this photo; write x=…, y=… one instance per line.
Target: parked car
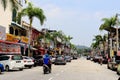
x=96, y=58
x=38, y=60
x=88, y=57
x=74, y=56
x=28, y=62
x=112, y=65
x=60, y=60
x=53, y=59
x=118, y=69
x=1, y=68
x=68, y=58
x=12, y=62
x=105, y=60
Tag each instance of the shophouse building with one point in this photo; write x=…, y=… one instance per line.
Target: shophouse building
x=11, y=31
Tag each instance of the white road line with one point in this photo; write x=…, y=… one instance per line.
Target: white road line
x=50, y=78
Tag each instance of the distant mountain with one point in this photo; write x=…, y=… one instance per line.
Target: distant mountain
x=82, y=47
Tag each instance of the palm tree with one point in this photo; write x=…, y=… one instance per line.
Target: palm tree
x=98, y=39
x=102, y=39
x=32, y=12
x=94, y=45
x=14, y=4
x=108, y=25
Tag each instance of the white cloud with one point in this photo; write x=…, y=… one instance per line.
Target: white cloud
x=55, y=12
x=52, y=10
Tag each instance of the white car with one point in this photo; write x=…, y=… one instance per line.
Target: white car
x=12, y=62
x=53, y=59
x=28, y=62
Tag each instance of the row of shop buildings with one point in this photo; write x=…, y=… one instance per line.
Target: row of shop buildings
x=12, y=33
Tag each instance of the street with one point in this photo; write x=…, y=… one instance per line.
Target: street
x=80, y=69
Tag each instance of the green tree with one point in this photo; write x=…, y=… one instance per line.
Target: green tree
x=99, y=39
x=108, y=23
x=32, y=12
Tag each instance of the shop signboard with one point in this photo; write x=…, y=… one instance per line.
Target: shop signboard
x=24, y=39
x=10, y=37
x=9, y=48
x=2, y=33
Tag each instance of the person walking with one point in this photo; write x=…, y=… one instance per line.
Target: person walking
x=101, y=60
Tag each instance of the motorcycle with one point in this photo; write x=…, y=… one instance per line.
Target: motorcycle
x=46, y=69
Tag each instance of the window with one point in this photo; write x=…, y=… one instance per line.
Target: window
x=14, y=15
x=17, y=57
x=11, y=30
x=16, y=32
x=2, y=58
x=23, y=33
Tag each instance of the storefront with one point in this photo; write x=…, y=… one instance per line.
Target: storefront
x=9, y=47
x=23, y=42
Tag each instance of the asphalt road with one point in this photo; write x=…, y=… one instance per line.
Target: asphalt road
x=80, y=69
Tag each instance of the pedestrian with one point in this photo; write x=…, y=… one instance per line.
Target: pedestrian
x=101, y=60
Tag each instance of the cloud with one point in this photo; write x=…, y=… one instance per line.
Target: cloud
x=52, y=10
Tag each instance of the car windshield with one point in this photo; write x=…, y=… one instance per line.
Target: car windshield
x=38, y=57
x=17, y=57
x=60, y=57
x=67, y=56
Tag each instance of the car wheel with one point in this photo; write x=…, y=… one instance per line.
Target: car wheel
x=118, y=73
x=21, y=69
x=55, y=64
x=108, y=66
x=30, y=67
x=0, y=71
x=7, y=68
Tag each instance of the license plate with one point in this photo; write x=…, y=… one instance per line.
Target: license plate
x=18, y=61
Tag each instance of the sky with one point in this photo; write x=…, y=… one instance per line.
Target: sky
x=80, y=19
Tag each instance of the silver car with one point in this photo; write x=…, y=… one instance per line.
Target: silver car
x=60, y=60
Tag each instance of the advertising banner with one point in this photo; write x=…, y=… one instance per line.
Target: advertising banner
x=9, y=37
x=24, y=39
x=9, y=48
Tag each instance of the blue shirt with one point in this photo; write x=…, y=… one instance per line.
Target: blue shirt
x=46, y=59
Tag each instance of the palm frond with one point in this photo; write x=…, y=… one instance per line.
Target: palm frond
x=38, y=13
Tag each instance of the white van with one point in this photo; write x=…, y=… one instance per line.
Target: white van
x=12, y=62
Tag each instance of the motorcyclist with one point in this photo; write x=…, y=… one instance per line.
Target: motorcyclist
x=47, y=60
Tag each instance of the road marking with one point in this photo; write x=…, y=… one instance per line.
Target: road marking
x=50, y=78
